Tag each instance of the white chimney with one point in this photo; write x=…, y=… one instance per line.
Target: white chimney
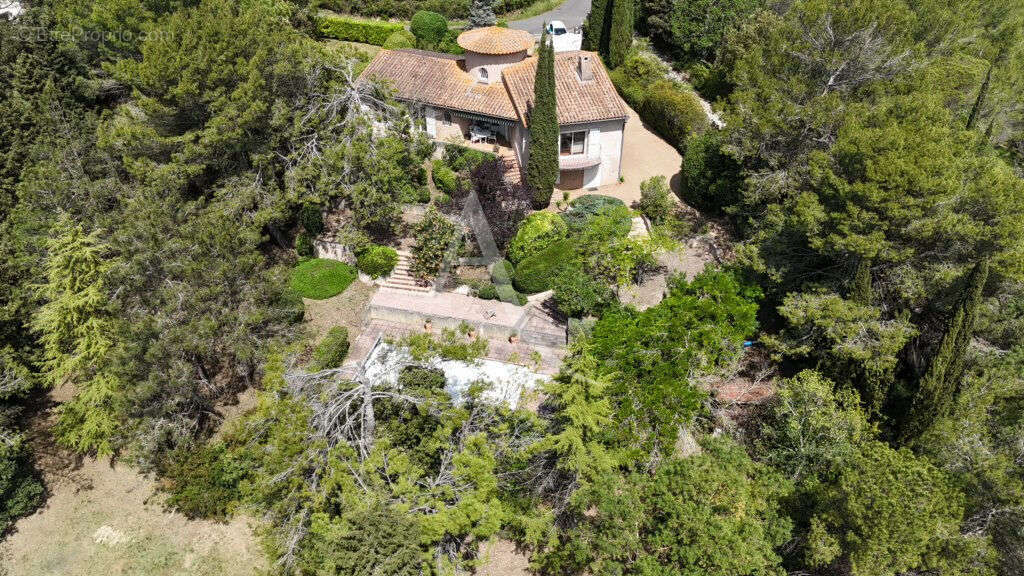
x=586, y=68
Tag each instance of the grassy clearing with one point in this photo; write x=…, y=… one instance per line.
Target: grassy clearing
x=318, y=279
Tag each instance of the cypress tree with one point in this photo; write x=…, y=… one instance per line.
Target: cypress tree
x=595, y=27
x=937, y=389
x=861, y=292
x=620, y=36
x=542, y=164
x=980, y=100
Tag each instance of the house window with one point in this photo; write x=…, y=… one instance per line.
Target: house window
x=447, y=118
x=483, y=73
x=573, y=143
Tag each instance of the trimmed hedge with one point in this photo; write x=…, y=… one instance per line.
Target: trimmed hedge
x=444, y=178
x=429, y=28
x=377, y=261
x=460, y=158
x=374, y=32
x=399, y=40
x=331, y=352
x=318, y=279
x=536, y=233
x=673, y=113
x=536, y=274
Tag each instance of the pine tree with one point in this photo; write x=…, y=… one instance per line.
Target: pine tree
x=595, y=27
x=78, y=338
x=481, y=14
x=620, y=35
x=937, y=389
x=542, y=164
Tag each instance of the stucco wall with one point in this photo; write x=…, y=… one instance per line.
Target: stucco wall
x=493, y=63
x=604, y=139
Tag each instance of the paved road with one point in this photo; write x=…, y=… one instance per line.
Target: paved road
x=572, y=12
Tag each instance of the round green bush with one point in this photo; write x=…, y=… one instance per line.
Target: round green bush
x=304, y=245
x=444, y=178
x=377, y=261
x=538, y=231
x=487, y=292
x=332, y=350
x=399, y=40
x=536, y=274
x=583, y=209
x=429, y=28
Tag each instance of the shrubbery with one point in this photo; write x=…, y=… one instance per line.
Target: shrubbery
x=311, y=217
x=460, y=158
x=536, y=274
x=374, y=32
x=402, y=10
x=429, y=28
x=400, y=39
x=711, y=180
x=583, y=209
x=674, y=113
x=434, y=234
x=377, y=261
x=203, y=480
x=536, y=233
x=20, y=490
x=577, y=294
x=445, y=179
x=304, y=245
x=655, y=199
x=332, y=350
x=502, y=272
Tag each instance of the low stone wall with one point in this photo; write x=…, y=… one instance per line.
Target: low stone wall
x=334, y=251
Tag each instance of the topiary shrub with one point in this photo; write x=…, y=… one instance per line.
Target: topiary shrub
x=320, y=278
x=444, y=178
x=536, y=233
x=400, y=39
x=655, y=199
x=332, y=350
x=377, y=261
x=429, y=28
x=536, y=273
x=674, y=113
x=304, y=245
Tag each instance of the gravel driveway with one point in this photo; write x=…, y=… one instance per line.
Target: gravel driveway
x=572, y=12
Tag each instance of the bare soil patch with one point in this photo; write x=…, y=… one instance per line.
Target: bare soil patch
x=347, y=309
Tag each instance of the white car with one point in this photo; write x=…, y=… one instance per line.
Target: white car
x=557, y=28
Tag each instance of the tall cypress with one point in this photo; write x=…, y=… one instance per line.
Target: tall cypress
x=937, y=389
x=595, y=27
x=620, y=35
x=542, y=164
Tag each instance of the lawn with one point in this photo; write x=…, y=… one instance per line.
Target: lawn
x=318, y=279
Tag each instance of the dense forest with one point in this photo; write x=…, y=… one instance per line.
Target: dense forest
x=158, y=163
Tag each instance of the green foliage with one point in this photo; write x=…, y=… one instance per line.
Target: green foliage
x=20, y=491
x=373, y=32
x=203, y=480
x=389, y=9
x=673, y=113
x=578, y=294
x=435, y=236
x=445, y=179
x=536, y=273
x=304, y=245
x=710, y=178
x=319, y=278
x=463, y=159
x=655, y=199
x=597, y=25
x=370, y=541
x=377, y=261
x=651, y=356
x=620, y=34
x=638, y=72
x=888, y=512
x=691, y=31
x=542, y=163
x=502, y=272
x=400, y=39
x=481, y=13
x=331, y=351
x=311, y=218
x=450, y=344
x=429, y=28
x=583, y=210
x=538, y=231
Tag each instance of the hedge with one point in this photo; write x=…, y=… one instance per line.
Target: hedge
x=399, y=40
x=377, y=261
x=444, y=178
x=673, y=113
x=374, y=32
x=461, y=158
x=331, y=352
x=536, y=233
x=536, y=274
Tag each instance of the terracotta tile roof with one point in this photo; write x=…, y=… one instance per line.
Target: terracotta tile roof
x=440, y=80
x=578, y=102
x=495, y=40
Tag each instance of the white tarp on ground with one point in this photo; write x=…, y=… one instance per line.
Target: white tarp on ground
x=505, y=382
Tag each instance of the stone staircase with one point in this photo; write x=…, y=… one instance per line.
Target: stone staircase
x=401, y=278
x=513, y=173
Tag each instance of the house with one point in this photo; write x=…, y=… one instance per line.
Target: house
x=485, y=96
